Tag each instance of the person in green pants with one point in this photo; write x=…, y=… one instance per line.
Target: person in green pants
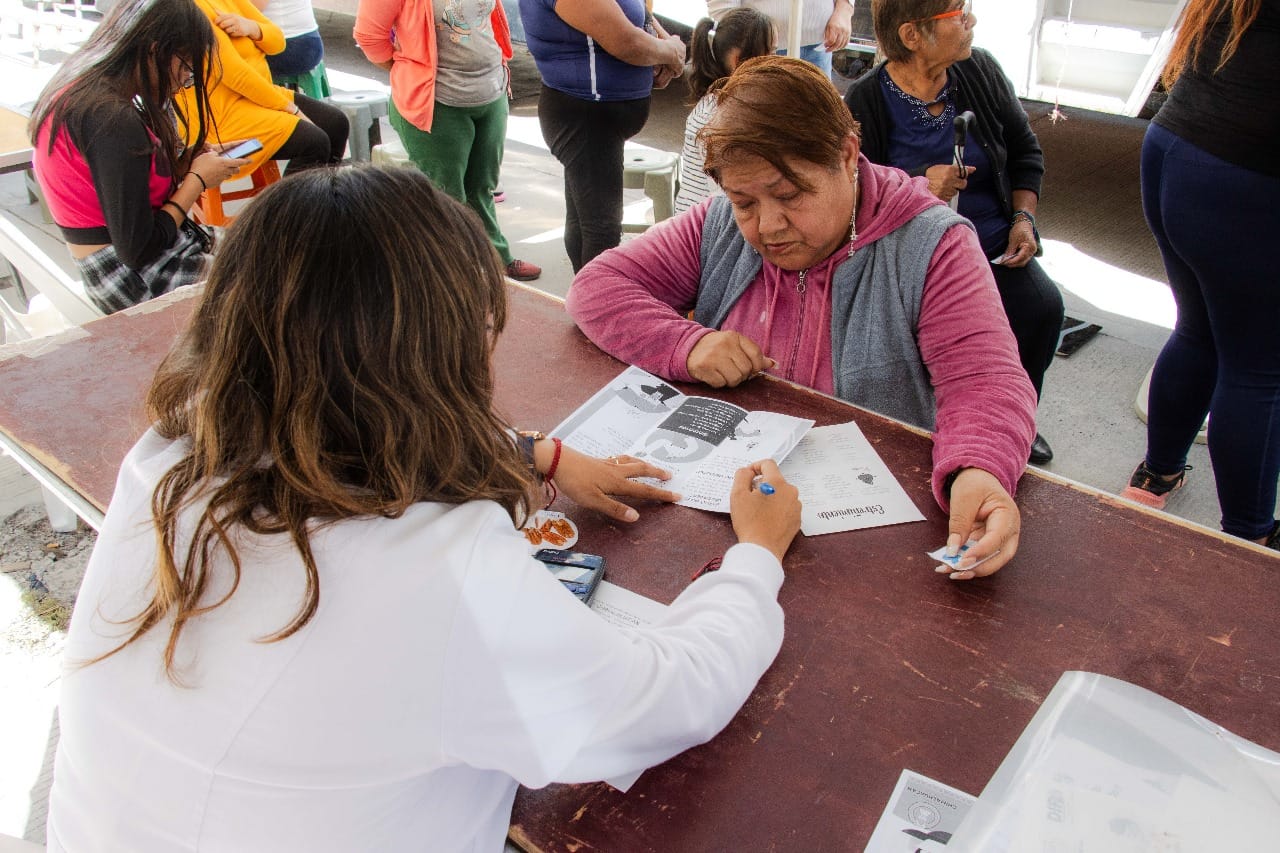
x=448, y=96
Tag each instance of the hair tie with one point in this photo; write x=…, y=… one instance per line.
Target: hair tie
x=711, y=41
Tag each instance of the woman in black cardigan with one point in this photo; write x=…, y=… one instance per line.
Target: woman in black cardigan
x=907, y=106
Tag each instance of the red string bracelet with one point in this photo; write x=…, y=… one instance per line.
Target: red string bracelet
x=712, y=565
x=555, y=458
x=551, y=470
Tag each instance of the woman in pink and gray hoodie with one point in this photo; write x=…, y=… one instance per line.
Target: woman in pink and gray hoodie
x=827, y=270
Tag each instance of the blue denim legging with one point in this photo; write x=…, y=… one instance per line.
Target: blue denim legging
x=300, y=55
x=1217, y=227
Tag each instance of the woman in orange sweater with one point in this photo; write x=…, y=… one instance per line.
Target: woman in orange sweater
x=448, y=64
x=245, y=104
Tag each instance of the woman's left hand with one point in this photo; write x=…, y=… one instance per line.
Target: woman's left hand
x=238, y=26
x=664, y=74
x=839, y=26
x=590, y=482
x=981, y=509
x=1022, y=244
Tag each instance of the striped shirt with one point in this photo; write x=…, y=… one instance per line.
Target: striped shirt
x=695, y=184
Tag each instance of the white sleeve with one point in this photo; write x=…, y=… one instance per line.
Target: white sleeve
x=539, y=687
x=717, y=9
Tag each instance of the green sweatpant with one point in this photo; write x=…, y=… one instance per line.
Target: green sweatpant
x=462, y=155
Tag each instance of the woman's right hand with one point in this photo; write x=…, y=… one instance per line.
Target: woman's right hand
x=726, y=359
x=213, y=168
x=768, y=520
x=945, y=180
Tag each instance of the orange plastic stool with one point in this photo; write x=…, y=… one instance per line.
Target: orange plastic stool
x=208, y=208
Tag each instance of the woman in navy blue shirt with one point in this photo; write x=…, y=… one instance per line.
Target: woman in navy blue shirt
x=599, y=61
x=907, y=107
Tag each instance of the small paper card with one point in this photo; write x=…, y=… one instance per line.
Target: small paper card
x=922, y=815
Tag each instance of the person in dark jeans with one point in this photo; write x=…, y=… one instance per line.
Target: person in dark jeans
x=1210, y=181
x=587, y=138
x=595, y=96
x=907, y=107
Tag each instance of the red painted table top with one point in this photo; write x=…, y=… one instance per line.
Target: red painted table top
x=885, y=664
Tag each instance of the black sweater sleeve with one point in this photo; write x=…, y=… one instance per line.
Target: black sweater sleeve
x=866, y=103
x=1025, y=158
x=119, y=152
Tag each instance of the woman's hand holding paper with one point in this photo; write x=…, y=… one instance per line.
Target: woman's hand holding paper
x=982, y=510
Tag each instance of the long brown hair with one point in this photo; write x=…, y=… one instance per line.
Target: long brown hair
x=777, y=108
x=1198, y=18
x=128, y=58
x=336, y=367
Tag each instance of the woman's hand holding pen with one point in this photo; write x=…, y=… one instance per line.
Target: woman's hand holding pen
x=726, y=359
x=590, y=482
x=768, y=517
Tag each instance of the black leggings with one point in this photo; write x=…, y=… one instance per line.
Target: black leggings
x=587, y=138
x=320, y=144
x=1033, y=304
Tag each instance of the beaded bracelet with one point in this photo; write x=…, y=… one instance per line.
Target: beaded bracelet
x=1027, y=215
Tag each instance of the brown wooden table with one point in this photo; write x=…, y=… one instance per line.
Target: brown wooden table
x=885, y=664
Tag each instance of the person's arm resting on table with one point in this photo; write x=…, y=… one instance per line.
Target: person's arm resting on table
x=632, y=302
x=541, y=688
x=985, y=403
x=591, y=483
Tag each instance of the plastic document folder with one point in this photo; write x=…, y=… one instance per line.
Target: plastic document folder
x=1109, y=767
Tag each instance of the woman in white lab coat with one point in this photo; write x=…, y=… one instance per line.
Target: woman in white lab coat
x=310, y=621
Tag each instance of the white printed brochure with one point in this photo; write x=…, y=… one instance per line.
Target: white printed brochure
x=701, y=441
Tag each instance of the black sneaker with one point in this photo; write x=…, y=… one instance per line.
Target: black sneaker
x=1151, y=489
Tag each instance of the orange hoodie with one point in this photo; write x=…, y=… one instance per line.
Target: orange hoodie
x=405, y=31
